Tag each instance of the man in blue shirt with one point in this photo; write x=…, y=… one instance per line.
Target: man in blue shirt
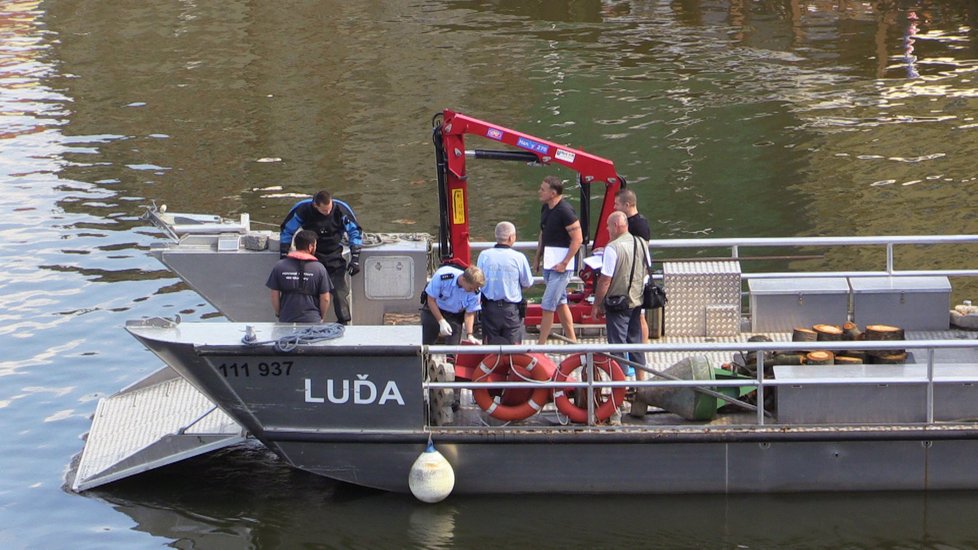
x=507, y=274
x=330, y=218
x=451, y=304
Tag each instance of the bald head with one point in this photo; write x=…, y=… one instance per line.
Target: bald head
x=617, y=224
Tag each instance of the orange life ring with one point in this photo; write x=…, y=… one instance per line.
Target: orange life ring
x=537, y=366
x=604, y=409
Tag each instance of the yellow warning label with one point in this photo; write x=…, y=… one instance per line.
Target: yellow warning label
x=458, y=206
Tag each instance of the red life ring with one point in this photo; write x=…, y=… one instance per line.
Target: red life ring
x=604, y=409
x=527, y=365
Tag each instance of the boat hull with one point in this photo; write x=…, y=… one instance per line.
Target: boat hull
x=563, y=465
x=353, y=409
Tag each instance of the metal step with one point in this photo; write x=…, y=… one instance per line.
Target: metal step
x=157, y=421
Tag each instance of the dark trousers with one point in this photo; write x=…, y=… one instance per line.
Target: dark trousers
x=501, y=323
x=429, y=327
x=341, y=295
x=625, y=327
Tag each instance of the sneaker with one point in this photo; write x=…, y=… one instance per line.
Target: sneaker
x=615, y=419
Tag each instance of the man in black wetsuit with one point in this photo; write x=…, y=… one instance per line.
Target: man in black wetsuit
x=330, y=219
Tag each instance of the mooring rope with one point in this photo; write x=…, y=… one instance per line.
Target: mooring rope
x=301, y=337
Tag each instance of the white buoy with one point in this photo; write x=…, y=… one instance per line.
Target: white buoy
x=432, y=477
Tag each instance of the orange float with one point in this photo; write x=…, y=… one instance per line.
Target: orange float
x=605, y=408
x=535, y=366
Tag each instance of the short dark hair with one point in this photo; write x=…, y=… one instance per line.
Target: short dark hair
x=554, y=183
x=627, y=196
x=322, y=197
x=304, y=239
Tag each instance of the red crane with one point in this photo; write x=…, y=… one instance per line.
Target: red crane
x=448, y=134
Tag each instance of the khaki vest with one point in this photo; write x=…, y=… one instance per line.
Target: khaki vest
x=625, y=247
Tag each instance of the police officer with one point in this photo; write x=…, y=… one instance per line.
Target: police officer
x=451, y=304
x=507, y=274
x=330, y=218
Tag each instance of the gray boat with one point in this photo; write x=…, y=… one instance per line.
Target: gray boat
x=759, y=381
x=360, y=405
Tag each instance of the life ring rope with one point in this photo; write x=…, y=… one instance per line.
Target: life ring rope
x=605, y=409
x=539, y=368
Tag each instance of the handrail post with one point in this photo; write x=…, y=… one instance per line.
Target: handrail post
x=590, y=387
x=889, y=258
x=930, y=385
x=735, y=251
x=760, y=387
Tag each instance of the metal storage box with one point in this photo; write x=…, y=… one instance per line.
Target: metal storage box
x=704, y=298
x=911, y=303
x=393, y=275
x=804, y=401
x=780, y=305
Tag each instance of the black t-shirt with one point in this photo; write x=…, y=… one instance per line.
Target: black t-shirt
x=638, y=225
x=300, y=301
x=554, y=222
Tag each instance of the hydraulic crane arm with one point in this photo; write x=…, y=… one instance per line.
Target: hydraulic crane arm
x=449, y=131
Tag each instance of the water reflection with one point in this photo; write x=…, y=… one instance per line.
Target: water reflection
x=729, y=117
x=194, y=510
x=701, y=103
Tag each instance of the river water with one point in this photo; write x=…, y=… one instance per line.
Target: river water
x=729, y=118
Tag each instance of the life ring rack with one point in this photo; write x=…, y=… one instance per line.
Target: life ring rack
x=535, y=366
x=605, y=409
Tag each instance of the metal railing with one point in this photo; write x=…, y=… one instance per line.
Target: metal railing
x=736, y=244
x=761, y=383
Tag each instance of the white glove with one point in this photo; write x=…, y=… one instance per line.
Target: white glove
x=444, y=329
x=473, y=340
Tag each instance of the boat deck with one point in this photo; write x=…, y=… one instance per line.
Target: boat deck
x=468, y=414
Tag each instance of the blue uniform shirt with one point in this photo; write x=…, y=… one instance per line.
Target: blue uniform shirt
x=507, y=273
x=449, y=296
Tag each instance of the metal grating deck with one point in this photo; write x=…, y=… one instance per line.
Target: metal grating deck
x=157, y=421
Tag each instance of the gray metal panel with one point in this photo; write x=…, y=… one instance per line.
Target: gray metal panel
x=356, y=392
x=952, y=464
x=567, y=467
x=804, y=402
x=391, y=279
x=267, y=390
x=526, y=468
x=806, y=286
x=232, y=282
x=911, y=303
x=887, y=285
x=780, y=305
x=827, y=466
